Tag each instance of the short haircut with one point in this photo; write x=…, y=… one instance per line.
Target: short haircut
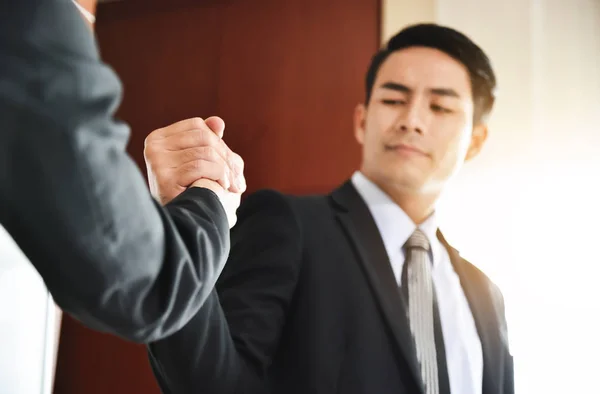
x=456, y=45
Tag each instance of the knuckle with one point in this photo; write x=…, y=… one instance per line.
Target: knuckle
x=197, y=138
x=197, y=123
x=147, y=141
x=239, y=161
x=154, y=153
x=152, y=136
x=149, y=153
x=198, y=164
x=207, y=139
x=191, y=154
x=211, y=153
x=192, y=165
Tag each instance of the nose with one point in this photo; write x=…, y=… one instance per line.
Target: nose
x=412, y=117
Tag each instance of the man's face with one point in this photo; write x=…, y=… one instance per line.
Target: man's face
x=417, y=129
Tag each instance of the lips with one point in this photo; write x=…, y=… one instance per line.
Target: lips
x=405, y=148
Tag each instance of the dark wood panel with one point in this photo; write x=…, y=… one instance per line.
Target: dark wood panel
x=168, y=66
x=93, y=363
x=288, y=89
x=285, y=76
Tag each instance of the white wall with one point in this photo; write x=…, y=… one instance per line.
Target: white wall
x=527, y=210
x=28, y=325
x=398, y=13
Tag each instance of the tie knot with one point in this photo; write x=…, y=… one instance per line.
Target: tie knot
x=417, y=240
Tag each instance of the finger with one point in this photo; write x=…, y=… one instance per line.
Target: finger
x=217, y=125
x=230, y=158
x=207, y=153
x=217, y=171
x=184, y=125
x=237, y=163
x=219, y=153
x=234, y=179
x=238, y=181
x=192, y=139
x=184, y=156
x=211, y=171
x=233, y=160
x=238, y=185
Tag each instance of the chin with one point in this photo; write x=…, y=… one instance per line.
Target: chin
x=406, y=183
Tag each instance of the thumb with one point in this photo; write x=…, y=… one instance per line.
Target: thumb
x=216, y=124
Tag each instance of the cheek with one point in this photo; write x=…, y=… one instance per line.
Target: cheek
x=453, y=143
x=464, y=140
x=379, y=122
x=383, y=117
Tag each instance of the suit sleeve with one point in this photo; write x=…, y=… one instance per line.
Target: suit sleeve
x=228, y=346
x=76, y=203
x=509, y=373
x=509, y=367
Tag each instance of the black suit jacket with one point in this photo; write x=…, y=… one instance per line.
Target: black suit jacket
x=308, y=303
x=76, y=203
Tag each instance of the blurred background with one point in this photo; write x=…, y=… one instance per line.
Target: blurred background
x=286, y=76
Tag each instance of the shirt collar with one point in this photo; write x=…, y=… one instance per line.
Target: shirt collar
x=393, y=223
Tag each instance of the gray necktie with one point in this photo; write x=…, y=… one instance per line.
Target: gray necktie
x=420, y=308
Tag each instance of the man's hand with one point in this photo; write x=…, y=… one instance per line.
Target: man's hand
x=230, y=200
x=193, y=153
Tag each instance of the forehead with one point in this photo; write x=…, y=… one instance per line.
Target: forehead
x=425, y=68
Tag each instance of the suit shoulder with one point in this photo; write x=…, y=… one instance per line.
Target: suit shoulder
x=496, y=299
x=267, y=206
x=298, y=213
x=484, y=278
x=267, y=231
x=275, y=200
x=265, y=196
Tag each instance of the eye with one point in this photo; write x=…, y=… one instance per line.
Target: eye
x=393, y=102
x=439, y=109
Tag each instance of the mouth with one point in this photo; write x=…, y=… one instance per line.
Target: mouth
x=405, y=149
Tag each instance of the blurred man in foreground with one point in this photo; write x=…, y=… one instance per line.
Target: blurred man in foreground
x=75, y=202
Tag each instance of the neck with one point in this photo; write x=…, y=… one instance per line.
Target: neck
x=418, y=206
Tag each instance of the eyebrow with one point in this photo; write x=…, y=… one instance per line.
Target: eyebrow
x=398, y=87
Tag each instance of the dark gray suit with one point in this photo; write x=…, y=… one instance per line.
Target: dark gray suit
x=73, y=200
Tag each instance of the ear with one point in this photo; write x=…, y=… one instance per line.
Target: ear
x=360, y=115
x=478, y=138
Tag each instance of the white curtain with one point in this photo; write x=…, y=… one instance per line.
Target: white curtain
x=527, y=210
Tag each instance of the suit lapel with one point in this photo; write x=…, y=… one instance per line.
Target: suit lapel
x=366, y=240
x=481, y=302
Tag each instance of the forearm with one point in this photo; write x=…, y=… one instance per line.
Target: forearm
x=75, y=202
x=202, y=356
x=229, y=345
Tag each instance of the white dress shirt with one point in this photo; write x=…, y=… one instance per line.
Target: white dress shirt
x=463, y=347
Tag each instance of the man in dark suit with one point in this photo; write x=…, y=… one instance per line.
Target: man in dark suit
x=357, y=291
x=75, y=202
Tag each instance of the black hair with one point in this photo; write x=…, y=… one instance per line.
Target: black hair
x=456, y=45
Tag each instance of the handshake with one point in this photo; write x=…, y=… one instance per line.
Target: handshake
x=192, y=153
